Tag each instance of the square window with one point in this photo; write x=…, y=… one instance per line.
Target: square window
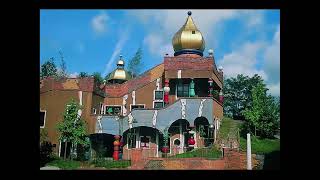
x=42, y=118
x=113, y=110
x=137, y=106
x=193, y=32
x=158, y=105
x=158, y=95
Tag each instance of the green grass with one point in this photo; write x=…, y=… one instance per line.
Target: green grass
x=64, y=164
x=203, y=152
x=260, y=146
x=228, y=126
x=112, y=164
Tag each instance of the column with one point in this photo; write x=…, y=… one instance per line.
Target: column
x=192, y=92
x=180, y=131
x=221, y=96
x=166, y=90
x=210, y=81
x=157, y=142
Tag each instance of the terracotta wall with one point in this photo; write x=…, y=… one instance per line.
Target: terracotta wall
x=217, y=109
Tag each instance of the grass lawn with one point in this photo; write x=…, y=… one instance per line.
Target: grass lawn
x=64, y=164
x=229, y=127
x=112, y=164
x=203, y=152
x=260, y=146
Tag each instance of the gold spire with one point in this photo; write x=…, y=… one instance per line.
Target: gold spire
x=188, y=39
x=119, y=74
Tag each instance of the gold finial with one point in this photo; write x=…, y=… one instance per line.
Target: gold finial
x=188, y=40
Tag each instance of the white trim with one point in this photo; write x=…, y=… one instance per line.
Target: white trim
x=179, y=74
x=144, y=106
x=138, y=139
x=100, y=107
x=59, y=148
x=94, y=110
x=133, y=95
x=149, y=142
x=157, y=143
x=44, y=118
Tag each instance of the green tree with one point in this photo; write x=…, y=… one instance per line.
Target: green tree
x=83, y=75
x=134, y=66
x=63, y=67
x=237, y=94
x=48, y=69
x=264, y=114
x=97, y=78
x=72, y=129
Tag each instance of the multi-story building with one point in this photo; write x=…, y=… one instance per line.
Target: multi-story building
x=181, y=96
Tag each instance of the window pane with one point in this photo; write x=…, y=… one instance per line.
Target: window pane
x=137, y=107
x=42, y=118
x=158, y=104
x=158, y=95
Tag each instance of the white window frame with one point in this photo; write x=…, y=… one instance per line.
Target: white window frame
x=94, y=110
x=105, y=108
x=144, y=106
x=149, y=142
x=44, y=118
x=175, y=140
x=100, y=108
x=154, y=95
x=157, y=101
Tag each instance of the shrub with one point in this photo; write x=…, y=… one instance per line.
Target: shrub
x=45, y=153
x=65, y=164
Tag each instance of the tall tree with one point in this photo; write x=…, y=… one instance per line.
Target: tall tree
x=83, y=75
x=72, y=128
x=48, y=68
x=237, y=93
x=264, y=114
x=134, y=66
x=63, y=67
x=97, y=78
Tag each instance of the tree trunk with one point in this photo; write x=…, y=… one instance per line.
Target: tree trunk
x=255, y=131
x=65, y=150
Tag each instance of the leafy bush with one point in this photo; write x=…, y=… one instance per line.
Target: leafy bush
x=45, y=153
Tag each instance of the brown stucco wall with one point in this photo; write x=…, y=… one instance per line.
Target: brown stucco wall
x=217, y=109
x=54, y=102
x=144, y=95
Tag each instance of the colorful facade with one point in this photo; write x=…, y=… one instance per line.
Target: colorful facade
x=181, y=99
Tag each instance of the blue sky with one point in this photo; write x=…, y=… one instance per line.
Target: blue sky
x=244, y=41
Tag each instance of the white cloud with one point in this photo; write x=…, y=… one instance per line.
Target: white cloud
x=99, y=23
x=80, y=47
x=243, y=61
x=157, y=45
x=117, y=50
x=272, y=58
x=274, y=89
x=73, y=75
x=162, y=24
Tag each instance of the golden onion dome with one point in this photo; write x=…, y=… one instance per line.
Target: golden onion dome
x=119, y=75
x=188, y=40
